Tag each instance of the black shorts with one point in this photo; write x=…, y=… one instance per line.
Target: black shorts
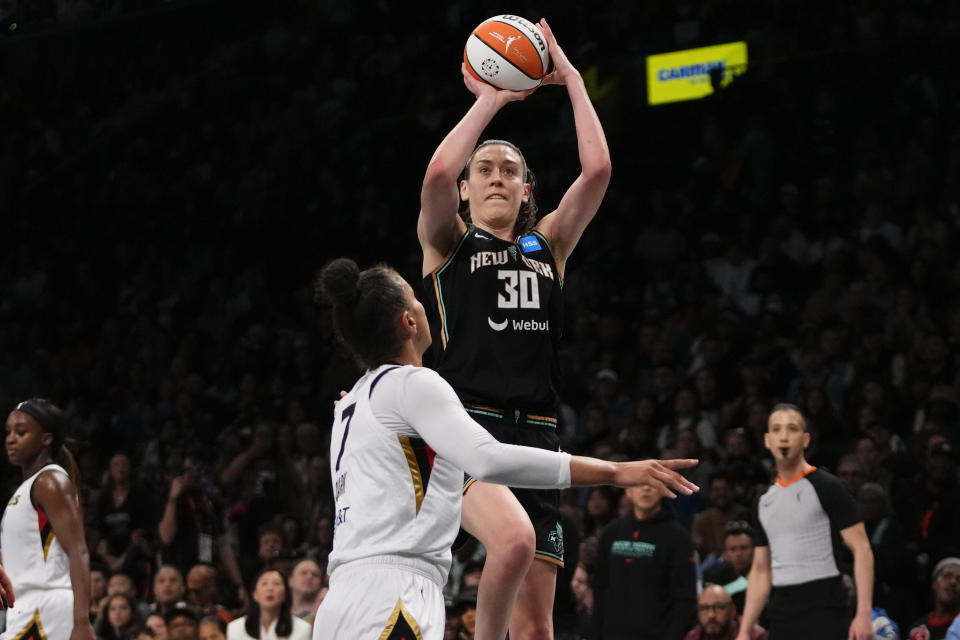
x=542, y=505
x=814, y=609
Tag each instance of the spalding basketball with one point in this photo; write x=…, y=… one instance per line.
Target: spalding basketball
x=507, y=52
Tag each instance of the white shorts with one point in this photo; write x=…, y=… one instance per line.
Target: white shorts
x=380, y=602
x=42, y=615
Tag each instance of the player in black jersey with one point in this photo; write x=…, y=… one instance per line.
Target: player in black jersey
x=494, y=280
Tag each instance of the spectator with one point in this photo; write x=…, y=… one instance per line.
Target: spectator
x=168, y=589
x=732, y=571
x=945, y=593
x=891, y=556
x=645, y=580
x=717, y=618
x=709, y=524
x=269, y=614
x=98, y=588
x=212, y=628
x=182, y=621
x=601, y=509
x=466, y=606
x=851, y=472
x=270, y=551
x=306, y=581
x=929, y=506
x=191, y=530
x=202, y=593
x=123, y=507
x=157, y=626
x=119, y=618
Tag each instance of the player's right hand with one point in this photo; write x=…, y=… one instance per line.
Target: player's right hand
x=481, y=89
x=662, y=475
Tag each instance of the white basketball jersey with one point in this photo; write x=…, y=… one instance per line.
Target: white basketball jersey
x=32, y=555
x=396, y=502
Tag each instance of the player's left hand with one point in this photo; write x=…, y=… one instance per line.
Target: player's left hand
x=563, y=70
x=662, y=475
x=861, y=628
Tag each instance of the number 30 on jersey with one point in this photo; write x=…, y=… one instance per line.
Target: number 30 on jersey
x=521, y=290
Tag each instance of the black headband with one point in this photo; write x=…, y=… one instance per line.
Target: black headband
x=50, y=421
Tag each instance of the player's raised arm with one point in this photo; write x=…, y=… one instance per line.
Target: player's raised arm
x=439, y=226
x=564, y=226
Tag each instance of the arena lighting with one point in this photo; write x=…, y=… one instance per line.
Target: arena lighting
x=686, y=74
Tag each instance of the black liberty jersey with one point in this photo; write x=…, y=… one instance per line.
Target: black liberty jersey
x=495, y=314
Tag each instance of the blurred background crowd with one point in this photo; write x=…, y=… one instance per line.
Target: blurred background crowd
x=172, y=175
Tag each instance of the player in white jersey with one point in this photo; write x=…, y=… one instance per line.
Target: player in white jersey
x=401, y=441
x=41, y=535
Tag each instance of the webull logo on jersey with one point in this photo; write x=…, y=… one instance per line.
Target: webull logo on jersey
x=519, y=325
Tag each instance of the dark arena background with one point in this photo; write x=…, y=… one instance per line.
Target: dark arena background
x=173, y=175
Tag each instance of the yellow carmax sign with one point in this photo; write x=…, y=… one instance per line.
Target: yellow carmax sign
x=685, y=75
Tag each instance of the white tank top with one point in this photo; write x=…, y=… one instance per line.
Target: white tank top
x=395, y=502
x=398, y=497
x=32, y=555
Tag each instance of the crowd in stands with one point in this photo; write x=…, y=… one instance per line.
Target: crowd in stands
x=172, y=181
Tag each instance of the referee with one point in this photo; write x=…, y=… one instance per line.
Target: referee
x=800, y=522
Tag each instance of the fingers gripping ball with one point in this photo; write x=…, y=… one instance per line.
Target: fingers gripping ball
x=507, y=52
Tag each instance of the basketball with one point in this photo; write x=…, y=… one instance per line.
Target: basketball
x=507, y=52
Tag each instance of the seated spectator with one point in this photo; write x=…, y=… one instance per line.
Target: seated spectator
x=183, y=622
x=945, y=590
x=466, y=607
x=601, y=509
x=269, y=615
x=168, y=589
x=202, y=592
x=119, y=618
x=98, y=588
x=157, y=626
x=731, y=573
x=306, y=581
x=708, y=525
x=582, y=587
x=717, y=618
x=212, y=628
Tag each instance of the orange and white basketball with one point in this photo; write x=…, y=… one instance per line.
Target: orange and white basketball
x=507, y=52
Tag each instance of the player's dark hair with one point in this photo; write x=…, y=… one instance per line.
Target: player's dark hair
x=284, y=620
x=365, y=308
x=787, y=406
x=528, y=210
x=53, y=420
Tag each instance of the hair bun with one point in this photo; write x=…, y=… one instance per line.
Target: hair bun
x=338, y=282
